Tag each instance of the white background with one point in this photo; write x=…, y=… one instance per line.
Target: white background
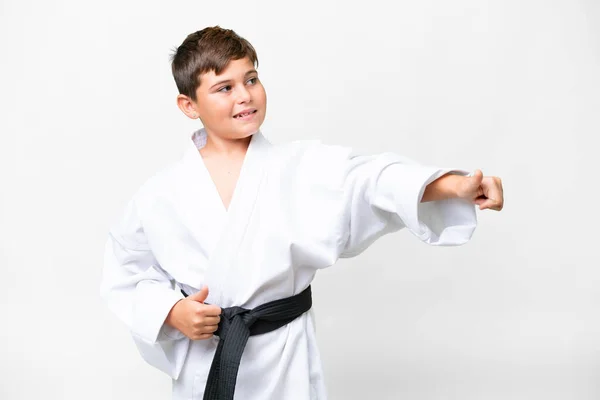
x=87, y=113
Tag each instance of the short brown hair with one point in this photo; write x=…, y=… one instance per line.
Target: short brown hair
x=210, y=49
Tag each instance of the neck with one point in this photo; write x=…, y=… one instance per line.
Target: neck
x=218, y=146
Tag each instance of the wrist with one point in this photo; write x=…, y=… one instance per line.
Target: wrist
x=445, y=187
x=454, y=185
x=171, y=318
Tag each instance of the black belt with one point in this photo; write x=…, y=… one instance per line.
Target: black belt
x=236, y=325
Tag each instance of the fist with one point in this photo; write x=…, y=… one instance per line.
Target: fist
x=193, y=318
x=485, y=191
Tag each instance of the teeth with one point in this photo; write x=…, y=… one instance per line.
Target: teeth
x=243, y=115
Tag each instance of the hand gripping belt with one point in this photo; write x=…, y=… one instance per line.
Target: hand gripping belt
x=236, y=326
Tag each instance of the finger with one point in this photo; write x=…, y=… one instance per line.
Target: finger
x=499, y=205
x=202, y=336
x=209, y=329
x=200, y=296
x=491, y=204
x=495, y=196
x=210, y=310
x=500, y=190
x=477, y=176
x=212, y=320
x=473, y=185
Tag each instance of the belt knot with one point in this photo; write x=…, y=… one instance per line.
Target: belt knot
x=230, y=314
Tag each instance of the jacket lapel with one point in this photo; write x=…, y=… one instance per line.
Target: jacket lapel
x=217, y=231
x=223, y=261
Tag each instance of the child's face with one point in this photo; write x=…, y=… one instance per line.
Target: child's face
x=221, y=98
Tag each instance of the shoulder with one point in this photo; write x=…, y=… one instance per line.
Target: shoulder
x=312, y=152
x=158, y=184
x=128, y=227
x=312, y=161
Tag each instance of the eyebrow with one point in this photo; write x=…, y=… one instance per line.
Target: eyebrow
x=252, y=71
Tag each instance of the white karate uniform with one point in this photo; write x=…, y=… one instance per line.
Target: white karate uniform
x=297, y=208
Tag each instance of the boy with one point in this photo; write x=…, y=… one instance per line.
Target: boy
x=253, y=222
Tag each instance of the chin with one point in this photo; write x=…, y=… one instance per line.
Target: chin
x=241, y=134
x=248, y=131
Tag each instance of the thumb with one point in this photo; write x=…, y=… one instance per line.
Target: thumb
x=200, y=296
x=477, y=177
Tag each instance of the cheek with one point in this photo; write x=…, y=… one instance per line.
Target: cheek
x=223, y=109
x=260, y=96
x=214, y=109
x=264, y=97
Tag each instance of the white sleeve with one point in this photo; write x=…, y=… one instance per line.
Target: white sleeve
x=383, y=194
x=141, y=294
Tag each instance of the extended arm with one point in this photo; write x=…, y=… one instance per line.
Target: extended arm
x=485, y=191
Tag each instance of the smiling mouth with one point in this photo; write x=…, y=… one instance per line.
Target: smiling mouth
x=244, y=114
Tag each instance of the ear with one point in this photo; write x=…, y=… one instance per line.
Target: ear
x=187, y=106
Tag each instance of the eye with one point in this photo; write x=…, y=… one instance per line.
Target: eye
x=253, y=80
x=225, y=89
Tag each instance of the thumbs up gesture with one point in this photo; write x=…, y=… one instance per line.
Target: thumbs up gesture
x=193, y=318
x=485, y=191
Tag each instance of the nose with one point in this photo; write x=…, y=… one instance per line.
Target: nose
x=243, y=95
